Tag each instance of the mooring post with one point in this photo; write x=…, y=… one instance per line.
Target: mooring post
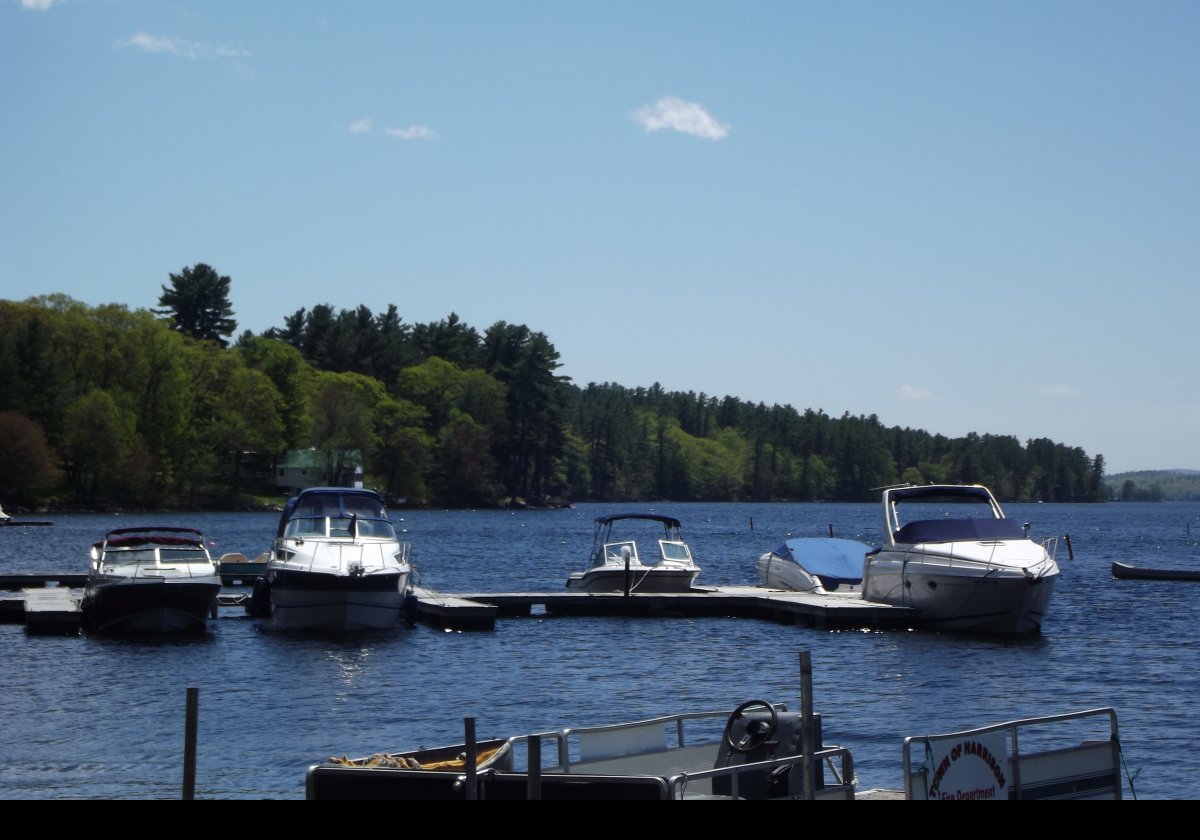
x=189, y=744
x=806, y=726
x=533, y=757
x=472, y=789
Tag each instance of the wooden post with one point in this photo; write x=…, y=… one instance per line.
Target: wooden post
x=830, y=530
x=472, y=783
x=189, y=745
x=806, y=726
x=534, y=759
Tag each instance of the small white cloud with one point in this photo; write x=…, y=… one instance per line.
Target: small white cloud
x=1057, y=391
x=908, y=392
x=676, y=115
x=145, y=42
x=413, y=132
x=37, y=5
x=362, y=126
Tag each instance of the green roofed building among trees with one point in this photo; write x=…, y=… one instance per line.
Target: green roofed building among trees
x=303, y=468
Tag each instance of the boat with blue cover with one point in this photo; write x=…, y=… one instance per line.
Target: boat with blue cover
x=814, y=564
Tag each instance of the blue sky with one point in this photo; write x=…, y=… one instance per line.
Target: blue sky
x=957, y=216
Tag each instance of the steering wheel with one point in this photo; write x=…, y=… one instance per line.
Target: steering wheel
x=757, y=731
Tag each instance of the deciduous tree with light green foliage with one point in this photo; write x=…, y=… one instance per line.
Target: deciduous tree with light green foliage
x=95, y=441
x=291, y=375
x=343, y=407
x=403, y=449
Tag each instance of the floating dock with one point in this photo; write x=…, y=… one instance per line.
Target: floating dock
x=45, y=604
x=52, y=611
x=829, y=611
x=52, y=604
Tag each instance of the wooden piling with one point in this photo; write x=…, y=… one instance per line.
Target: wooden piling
x=471, y=792
x=189, y=744
x=806, y=726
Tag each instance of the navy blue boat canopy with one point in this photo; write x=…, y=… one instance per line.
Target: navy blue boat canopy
x=940, y=493
x=338, y=502
x=954, y=530
x=669, y=521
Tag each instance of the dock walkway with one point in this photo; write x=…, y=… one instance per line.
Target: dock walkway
x=831, y=611
x=53, y=605
x=52, y=611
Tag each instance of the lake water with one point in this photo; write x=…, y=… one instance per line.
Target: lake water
x=92, y=718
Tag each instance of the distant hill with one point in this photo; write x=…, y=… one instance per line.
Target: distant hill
x=1155, y=486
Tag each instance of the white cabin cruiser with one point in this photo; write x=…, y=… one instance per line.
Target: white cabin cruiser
x=150, y=580
x=950, y=552
x=336, y=565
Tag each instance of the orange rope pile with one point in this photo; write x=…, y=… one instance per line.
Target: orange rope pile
x=401, y=762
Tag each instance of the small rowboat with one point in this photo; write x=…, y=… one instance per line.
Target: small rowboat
x=1126, y=571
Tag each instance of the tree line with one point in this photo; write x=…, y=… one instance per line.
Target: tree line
x=156, y=408
x=1155, y=486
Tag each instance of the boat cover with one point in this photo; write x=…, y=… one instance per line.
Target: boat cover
x=950, y=530
x=835, y=561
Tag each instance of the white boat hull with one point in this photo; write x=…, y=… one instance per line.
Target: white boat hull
x=814, y=564
x=953, y=593
x=336, y=565
x=660, y=564
x=775, y=572
x=645, y=580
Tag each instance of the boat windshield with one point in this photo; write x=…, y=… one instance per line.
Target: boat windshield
x=168, y=554
x=175, y=553
x=614, y=553
x=970, y=508
x=675, y=551
x=338, y=504
x=133, y=555
x=340, y=526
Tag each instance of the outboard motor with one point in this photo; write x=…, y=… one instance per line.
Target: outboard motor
x=260, y=599
x=761, y=735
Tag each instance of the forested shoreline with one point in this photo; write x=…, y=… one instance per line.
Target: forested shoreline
x=108, y=406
